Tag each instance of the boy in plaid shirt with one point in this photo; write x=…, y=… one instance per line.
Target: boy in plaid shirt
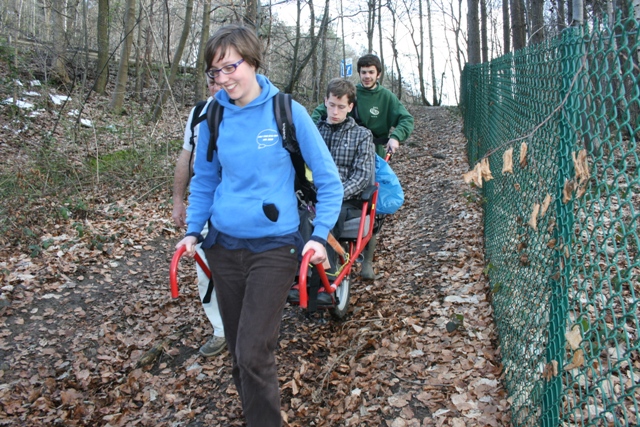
x=351, y=146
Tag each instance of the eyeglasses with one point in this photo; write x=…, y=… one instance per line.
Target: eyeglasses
x=227, y=69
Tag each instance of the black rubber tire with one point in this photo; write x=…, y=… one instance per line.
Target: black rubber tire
x=343, y=294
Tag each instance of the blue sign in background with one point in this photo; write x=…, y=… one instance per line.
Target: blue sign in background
x=349, y=70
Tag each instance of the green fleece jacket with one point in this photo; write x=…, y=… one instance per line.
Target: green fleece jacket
x=380, y=111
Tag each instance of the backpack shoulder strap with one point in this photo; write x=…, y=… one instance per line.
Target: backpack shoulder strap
x=284, y=120
x=214, y=117
x=196, y=119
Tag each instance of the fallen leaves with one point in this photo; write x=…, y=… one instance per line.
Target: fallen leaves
x=391, y=362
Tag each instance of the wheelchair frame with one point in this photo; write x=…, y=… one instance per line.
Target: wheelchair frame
x=341, y=285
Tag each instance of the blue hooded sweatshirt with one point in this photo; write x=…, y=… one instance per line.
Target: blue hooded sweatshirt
x=251, y=169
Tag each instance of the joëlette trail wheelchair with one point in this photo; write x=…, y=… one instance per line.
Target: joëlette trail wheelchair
x=313, y=279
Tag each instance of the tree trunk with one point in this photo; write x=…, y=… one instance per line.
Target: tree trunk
x=371, y=23
x=457, y=31
x=418, y=45
x=117, y=99
x=149, y=43
x=381, y=40
x=421, y=55
x=506, y=28
x=314, y=41
x=200, y=80
x=344, y=54
x=473, y=29
x=175, y=64
x=435, y=100
x=315, y=86
x=323, y=69
x=138, y=55
x=251, y=15
x=296, y=48
x=59, y=67
x=85, y=44
x=517, y=24
x=560, y=18
x=483, y=31
x=537, y=21
x=395, y=52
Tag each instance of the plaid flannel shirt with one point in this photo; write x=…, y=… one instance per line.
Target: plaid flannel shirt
x=352, y=149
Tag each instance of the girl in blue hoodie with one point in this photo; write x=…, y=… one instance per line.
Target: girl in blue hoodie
x=246, y=195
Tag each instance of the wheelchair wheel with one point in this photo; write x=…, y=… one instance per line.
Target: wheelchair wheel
x=343, y=294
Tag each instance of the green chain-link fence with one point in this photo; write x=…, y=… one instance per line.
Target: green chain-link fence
x=561, y=223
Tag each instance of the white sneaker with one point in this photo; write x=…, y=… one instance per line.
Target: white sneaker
x=214, y=346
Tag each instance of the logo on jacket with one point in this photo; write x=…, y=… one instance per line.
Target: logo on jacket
x=374, y=111
x=267, y=138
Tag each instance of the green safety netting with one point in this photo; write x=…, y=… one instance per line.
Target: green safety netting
x=552, y=135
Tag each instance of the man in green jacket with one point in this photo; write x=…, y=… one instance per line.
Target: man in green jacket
x=380, y=111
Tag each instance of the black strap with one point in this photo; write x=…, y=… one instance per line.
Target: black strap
x=196, y=119
x=312, y=289
x=284, y=121
x=207, y=296
x=214, y=117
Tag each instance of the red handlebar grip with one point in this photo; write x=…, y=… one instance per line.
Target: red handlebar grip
x=302, y=278
x=173, y=270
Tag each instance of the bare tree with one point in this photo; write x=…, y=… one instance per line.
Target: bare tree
x=139, y=52
x=117, y=98
x=394, y=49
x=506, y=28
x=561, y=23
x=200, y=85
x=148, y=51
x=418, y=45
x=452, y=23
x=473, y=26
x=433, y=65
x=483, y=31
x=164, y=93
x=251, y=14
x=381, y=40
x=371, y=23
x=296, y=47
x=537, y=21
x=298, y=66
x=59, y=42
x=518, y=24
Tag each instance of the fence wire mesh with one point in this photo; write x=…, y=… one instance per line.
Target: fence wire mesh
x=552, y=135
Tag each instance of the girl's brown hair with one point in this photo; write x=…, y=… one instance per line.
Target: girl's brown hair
x=242, y=39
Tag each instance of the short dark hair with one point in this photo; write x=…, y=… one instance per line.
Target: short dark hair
x=368, y=60
x=242, y=39
x=340, y=87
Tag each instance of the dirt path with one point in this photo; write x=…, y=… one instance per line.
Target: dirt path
x=69, y=352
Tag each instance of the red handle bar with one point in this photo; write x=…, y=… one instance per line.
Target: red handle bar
x=173, y=269
x=302, y=281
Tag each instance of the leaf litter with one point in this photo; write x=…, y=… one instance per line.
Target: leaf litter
x=78, y=321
